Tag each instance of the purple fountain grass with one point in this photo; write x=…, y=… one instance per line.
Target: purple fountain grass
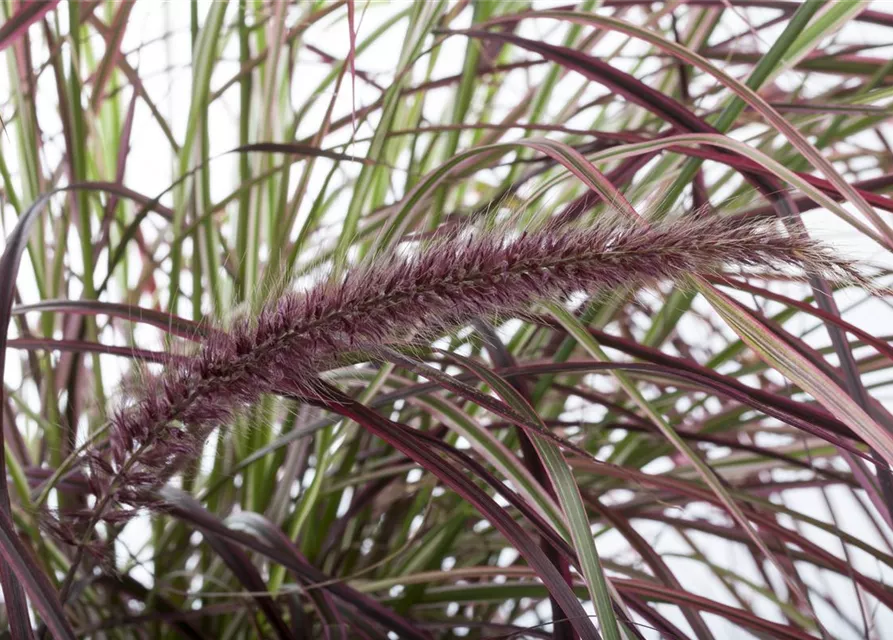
x=399, y=295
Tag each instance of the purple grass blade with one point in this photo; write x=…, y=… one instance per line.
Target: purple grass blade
x=175, y=325
x=189, y=510
x=18, y=561
x=28, y=14
x=16, y=605
x=398, y=438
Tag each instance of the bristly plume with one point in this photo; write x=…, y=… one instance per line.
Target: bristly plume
x=444, y=284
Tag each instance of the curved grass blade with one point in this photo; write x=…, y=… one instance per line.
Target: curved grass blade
x=628, y=587
x=17, y=559
x=334, y=626
x=175, y=325
x=801, y=371
x=189, y=510
x=775, y=119
x=398, y=438
x=568, y=495
x=28, y=14
x=562, y=153
x=241, y=567
x=707, y=474
x=16, y=242
x=83, y=346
